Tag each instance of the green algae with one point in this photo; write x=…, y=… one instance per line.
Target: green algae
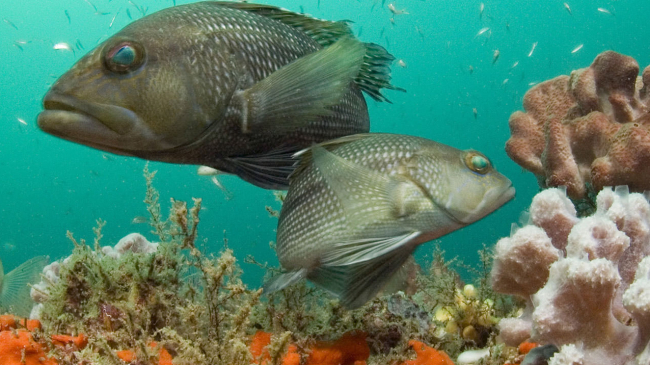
x=197, y=308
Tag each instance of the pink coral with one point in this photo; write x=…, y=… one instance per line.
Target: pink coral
x=587, y=281
x=592, y=127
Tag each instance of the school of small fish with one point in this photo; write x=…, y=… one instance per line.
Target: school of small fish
x=238, y=113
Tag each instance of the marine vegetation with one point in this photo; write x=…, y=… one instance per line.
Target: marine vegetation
x=147, y=303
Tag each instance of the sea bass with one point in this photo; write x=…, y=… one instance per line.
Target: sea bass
x=358, y=206
x=14, y=286
x=236, y=86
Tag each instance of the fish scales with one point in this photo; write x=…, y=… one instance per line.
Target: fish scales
x=358, y=206
x=195, y=84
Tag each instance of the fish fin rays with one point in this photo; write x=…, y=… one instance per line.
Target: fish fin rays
x=356, y=281
x=270, y=170
x=374, y=74
x=366, y=195
x=324, y=32
x=284, y=280
x=14, y=292
x=305, y=156
x=298, y=93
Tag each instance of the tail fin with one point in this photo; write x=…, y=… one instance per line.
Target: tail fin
x=14, y=291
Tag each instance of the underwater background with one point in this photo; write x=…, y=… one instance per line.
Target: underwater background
x=455, y=94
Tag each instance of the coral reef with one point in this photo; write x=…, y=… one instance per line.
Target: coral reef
x=585, y=280
x=590, y=129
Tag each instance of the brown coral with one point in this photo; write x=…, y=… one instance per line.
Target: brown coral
x=592, y=127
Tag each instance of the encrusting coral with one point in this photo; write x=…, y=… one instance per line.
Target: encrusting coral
x=588, y=129
x=586, y=280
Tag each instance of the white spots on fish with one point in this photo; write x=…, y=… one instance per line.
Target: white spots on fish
x=532, y=49
x=578, y=48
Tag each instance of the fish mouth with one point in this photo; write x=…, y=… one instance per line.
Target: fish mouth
x=106, y=127
x=492, y=200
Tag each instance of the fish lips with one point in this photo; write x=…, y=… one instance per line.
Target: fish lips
x=106, y=127
x=492, y=200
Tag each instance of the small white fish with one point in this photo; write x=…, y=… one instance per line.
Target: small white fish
x=113, y=20
x=401, y=63
x=22, y=121
x=225, y=191
x=495, y=56
x=568, y=8
x=483, y=30
x=505, y=81
x=532, y=83
x=604, y=11
x=394, y=10
x=577, y=48
x=207, y=171
x=63, y=46
x=532, y=49
x=481, y=9
x=514, y=65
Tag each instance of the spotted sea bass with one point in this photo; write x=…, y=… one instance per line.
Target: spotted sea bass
x=239, y=87
x=358, y=206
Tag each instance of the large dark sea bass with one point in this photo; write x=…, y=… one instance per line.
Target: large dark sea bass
x=236, y=86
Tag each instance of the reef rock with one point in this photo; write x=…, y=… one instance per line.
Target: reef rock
x=586, y=281
x=592, y=127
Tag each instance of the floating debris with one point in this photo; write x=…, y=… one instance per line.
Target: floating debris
x=532, y=49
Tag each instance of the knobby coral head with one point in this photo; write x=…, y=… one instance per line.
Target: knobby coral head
x=589, y=128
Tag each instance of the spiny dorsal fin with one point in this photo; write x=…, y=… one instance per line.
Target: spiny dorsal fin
x=324, y=32
x=374, y=74
x=305, y=155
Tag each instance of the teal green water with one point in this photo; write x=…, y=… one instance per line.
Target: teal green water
x=48, y=185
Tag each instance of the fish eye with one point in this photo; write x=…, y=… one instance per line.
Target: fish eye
x=124, y=57
x=477, y=162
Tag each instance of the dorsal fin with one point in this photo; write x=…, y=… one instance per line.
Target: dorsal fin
x=305, y=155
x=374, y=74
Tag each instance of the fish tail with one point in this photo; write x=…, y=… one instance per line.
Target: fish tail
x=374, y=74
x=14, y=291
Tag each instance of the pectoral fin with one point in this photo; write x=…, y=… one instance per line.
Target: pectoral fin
x=367, y=196
x=301, y=91
x=284, y=280
x=357, y=275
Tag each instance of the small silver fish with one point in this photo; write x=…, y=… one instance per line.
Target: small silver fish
x=139, y=220
x=532, y=49
x=495, y=56
x=568, y=8
x=394, y=10
x=481, y=31
x=514, y=65
x=481, y=9
x=67, y=15
x=401, y=63
x=577, y=48
x=604, y=11
x=358, y=207
x=21, y=121
x=11, y=24
x=14, y=286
